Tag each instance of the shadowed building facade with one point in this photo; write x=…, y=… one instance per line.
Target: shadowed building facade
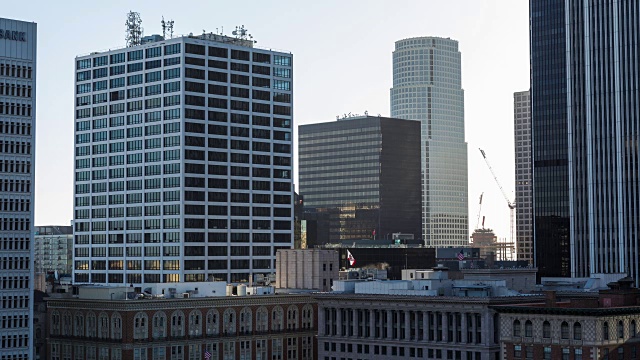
x=585, y=116
x=18, y=47
x=224, y=327
x=360, y=177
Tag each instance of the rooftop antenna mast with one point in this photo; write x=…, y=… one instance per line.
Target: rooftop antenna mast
x=170, y=28
x=167, y=26
x=134, y=30
x=243, y=34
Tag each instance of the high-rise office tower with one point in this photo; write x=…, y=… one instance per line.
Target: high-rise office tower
x=427, y=87
x=360, y=177
x=18, y=46
x=524, y=184
x=183, y=161
x=585, y=116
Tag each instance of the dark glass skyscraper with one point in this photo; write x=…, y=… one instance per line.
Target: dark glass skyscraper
x=586, y=129
x=358, y=175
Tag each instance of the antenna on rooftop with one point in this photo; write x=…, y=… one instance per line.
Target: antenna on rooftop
x=243, y=34
x=167, y=26
x=170, y=27
x=134, y=30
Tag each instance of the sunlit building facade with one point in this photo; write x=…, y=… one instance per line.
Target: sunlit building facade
x=183, y=161
x=427, y=87
x=523, y=176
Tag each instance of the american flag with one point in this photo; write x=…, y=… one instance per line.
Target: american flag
x=207, y=355
x=460, y=256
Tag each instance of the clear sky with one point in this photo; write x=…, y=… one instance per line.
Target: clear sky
x=342, y=63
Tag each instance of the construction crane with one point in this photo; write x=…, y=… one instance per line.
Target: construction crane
x=479, y=211
x=512, y=205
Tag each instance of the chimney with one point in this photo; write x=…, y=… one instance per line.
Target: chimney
x=549, y=298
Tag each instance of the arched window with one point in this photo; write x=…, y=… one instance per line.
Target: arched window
x=213, y=325
x=103, y=326
x=67, y=324
x=605, y=330
x=78, y=325
x=292, y=317
x=546, y=330
x=177, y=323
x=262, y=319
x=229, y=321
x=245, y=321
x=307, y=317
x=195, y=323
x=620, y=329
x=277, y=318
x=140, y=326
x=516, y=328
x=528, y=328
x=116, y=326
x=632, y=328
x=159, y=325
x=55, y=323
x=564, y=330
x=577, y=331
x=91, y=325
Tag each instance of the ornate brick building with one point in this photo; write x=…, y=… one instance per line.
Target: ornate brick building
x=574, y=326
x=275, y=327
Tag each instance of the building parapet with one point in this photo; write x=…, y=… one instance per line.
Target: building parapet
x=205, y=37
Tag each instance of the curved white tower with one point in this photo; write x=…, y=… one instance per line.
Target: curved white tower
x=427, y=87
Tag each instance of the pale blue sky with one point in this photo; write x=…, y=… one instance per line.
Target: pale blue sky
x=342, y=63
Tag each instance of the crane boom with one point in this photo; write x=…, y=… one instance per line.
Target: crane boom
x=512, y=205
x=479, y=211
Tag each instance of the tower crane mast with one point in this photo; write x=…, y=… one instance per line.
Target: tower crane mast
x=511, y=204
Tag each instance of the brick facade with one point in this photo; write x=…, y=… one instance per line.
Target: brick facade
x=281, y=327
x=574, y=326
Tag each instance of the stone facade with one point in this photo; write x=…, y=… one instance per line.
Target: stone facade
x=250, y=327
x=311, y=269
x=360, y=326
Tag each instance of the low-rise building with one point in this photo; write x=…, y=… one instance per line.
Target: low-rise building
x=430, y=318
x=522, y=279
x=594, y=283
x=306, y=269
x=574, y=325
x=150, y=326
